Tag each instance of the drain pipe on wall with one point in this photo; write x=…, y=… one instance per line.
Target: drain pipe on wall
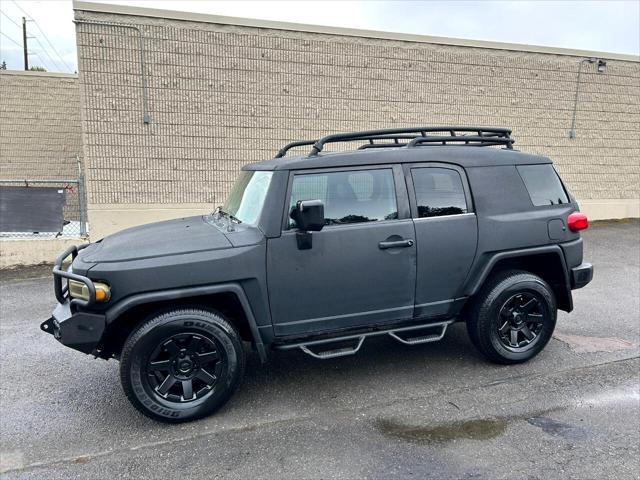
x=145, y=91
x=602, y=65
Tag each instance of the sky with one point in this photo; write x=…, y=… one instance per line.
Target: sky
x=606, y=26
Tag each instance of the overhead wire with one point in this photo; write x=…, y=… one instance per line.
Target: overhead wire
x=5, y=35
x=44, y=64
x=45, y=51
x=22, y=9
x=10, y=19
x=42, y=47
x=52, y=47
x=45, y=37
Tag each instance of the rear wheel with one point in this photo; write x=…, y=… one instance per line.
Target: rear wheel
x=513, y=317
x=182, y=365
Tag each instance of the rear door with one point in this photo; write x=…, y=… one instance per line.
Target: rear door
x=446, y=234
x=352, y=276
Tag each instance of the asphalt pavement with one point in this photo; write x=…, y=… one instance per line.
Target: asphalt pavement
x=431, y=411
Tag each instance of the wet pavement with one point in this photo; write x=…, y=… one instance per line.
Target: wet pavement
x=430, y=411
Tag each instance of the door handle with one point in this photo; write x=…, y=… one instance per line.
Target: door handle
x=396, y=244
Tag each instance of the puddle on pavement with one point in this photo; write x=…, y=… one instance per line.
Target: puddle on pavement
x=558, y=429
x=478, y=429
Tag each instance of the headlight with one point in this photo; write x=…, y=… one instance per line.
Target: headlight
x=79, y=290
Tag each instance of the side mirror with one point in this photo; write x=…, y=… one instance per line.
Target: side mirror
x=308, y=215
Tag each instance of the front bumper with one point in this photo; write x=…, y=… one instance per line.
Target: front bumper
x=76, y=329
x=581, y=275
x=81, y=331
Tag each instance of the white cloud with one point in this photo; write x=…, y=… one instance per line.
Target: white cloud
x=610, y=26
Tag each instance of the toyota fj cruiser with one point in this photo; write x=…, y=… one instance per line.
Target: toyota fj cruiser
x=413, y=230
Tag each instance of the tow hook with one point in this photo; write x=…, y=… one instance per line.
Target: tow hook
x=50, y=326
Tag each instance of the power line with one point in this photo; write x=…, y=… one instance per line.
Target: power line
x=37, y=40
x=45, y=51
x=16, y=4
x=10, y=19
x=52, y=47
x=44, y=64
x=5, y=35
x=44, y=35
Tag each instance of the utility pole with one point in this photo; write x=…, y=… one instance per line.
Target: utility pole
x=24, y=43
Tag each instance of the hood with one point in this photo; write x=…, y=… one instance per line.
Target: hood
x=171, y=237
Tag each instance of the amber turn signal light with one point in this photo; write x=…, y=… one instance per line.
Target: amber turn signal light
x=79, y=290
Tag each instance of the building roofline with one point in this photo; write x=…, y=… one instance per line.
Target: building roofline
x=35, y=73
x=352, y=32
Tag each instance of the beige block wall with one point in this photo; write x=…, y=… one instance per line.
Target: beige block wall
x=32, y=251
x=40, y=129
x=222, y=95
x=40, y=137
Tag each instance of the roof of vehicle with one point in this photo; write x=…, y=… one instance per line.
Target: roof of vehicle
x=465, y=156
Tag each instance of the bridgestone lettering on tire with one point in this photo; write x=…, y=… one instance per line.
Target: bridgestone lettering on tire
x=513, y=317
x=182, y=365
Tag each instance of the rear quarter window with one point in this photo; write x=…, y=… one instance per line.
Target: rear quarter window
x=439, y=192
x=543, y=184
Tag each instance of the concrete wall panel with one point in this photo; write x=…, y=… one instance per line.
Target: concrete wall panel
x=223, y=93
x=40, y=129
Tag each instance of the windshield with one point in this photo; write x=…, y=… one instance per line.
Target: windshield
x=247, y=196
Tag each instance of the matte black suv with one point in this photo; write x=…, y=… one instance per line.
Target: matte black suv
x=413, y=230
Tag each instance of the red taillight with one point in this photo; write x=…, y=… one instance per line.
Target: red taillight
x=577, y=221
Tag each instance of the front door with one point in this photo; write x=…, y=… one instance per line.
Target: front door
x=361, y=269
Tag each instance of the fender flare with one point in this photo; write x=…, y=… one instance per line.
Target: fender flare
x=162, y=295
x=477, y=280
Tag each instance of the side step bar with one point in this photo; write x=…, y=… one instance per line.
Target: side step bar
x=435, y=332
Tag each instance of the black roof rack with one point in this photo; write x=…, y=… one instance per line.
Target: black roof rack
x=484, y=136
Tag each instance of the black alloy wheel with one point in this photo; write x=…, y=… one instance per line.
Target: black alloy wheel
x=184, y=368
x=182, y=364
x=512, y=317
x=521, y=321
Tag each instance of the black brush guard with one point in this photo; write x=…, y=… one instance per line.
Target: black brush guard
x=70, y=325
x=61, y=290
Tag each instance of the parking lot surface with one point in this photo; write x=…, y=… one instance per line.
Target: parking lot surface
x=431, y=411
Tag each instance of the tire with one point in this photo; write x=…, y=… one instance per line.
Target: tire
x=182, y=365
x=512, y=301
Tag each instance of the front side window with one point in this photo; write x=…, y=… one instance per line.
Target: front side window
x=348, y=197
x=246, y=199
x=439, y=192
x=543, y=184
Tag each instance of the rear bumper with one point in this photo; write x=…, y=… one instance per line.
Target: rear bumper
x=581, y=275
x=80, y=331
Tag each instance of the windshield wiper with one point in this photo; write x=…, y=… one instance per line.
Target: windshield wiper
x=231, y=219
x=229, y=216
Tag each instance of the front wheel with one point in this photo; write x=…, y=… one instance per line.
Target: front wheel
x=513, y=317
x=182, y=365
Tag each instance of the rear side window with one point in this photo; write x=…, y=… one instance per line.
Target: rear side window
x=543, y=184
x=348, y=196
x=439, y=192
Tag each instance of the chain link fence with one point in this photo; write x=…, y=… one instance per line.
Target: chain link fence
x=43, y=208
